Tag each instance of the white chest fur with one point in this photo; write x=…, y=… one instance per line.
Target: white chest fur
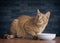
x=42, y=28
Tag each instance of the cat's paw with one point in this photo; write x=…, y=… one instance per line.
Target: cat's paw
x=35, y=37
x=6, y=36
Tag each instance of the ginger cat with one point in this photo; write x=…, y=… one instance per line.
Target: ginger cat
x=27, y=26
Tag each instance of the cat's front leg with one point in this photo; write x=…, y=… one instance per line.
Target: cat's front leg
x=31, y=33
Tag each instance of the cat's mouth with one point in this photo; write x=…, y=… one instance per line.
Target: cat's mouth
x=40, y=23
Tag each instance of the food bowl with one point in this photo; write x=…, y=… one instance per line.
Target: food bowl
x=46, y=36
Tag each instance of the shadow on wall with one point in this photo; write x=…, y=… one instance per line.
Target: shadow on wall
x=10, y=10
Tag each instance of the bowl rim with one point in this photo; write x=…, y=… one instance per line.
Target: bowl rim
x=46, y=34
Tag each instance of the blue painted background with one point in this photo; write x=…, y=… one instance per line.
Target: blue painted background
x=11, y=9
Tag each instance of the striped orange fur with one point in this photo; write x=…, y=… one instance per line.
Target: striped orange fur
x=27, y=26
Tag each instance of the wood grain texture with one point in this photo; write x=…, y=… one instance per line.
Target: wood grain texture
x=57, y=40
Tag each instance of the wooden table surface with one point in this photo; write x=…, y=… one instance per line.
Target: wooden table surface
x=17, y=40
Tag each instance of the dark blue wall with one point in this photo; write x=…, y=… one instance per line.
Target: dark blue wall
x=11, y=9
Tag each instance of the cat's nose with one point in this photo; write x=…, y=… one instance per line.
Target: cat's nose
x=39, y=21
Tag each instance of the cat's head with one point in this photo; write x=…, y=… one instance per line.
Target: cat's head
x=42, y=18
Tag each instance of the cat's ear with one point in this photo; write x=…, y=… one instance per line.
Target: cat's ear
x=38, y=12
x=47, y=14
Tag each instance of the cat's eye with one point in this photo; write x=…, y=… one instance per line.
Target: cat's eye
x=38, y=16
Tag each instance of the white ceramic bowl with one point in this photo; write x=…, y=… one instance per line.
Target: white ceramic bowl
x=46, y=36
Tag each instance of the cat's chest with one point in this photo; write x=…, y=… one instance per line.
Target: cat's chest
x=42, y=28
